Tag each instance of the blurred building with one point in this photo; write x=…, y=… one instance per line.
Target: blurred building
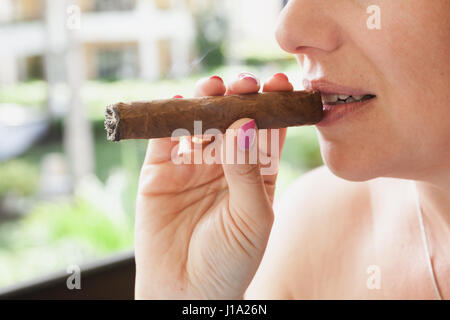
x=119, y=38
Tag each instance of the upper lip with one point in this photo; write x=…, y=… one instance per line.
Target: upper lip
x=326, y=87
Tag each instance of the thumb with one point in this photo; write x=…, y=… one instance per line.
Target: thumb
x=240, y=161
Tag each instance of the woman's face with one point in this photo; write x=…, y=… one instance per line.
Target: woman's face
x=405, y=130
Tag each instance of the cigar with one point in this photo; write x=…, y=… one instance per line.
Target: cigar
x=159, y=118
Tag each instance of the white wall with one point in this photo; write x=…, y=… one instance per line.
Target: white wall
x=6, y=10
x=252, y=22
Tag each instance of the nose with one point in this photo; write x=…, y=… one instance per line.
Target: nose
x=307, y=25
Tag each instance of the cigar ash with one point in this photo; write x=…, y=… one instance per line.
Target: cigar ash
x=112, y=121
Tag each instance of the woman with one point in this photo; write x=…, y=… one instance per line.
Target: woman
x=350, y=229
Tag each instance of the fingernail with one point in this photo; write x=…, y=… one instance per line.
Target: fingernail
x=177, y=97
x=281, y=75
x=246, y=135
x=249, y=76
x=216, y=77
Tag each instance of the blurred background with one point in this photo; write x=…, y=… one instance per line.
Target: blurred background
x=67, y=195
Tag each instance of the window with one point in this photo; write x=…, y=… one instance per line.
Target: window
x=31, y=68
x=35, y=68
x=114, y=5
x=117, y=63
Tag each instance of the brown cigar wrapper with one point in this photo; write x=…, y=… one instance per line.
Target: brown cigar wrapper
x=159, y=118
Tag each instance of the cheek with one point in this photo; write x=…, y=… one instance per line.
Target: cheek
x=411, y=57
x=420, y=123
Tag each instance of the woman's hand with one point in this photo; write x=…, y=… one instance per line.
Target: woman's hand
x=202, y=229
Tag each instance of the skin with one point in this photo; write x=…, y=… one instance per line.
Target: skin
x=336, y=221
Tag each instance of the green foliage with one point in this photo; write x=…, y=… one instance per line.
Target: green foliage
x=259, y=61
x=55, y=235
x=32, y=93
x=81, y=221
x=301, y=148
x=18, y=177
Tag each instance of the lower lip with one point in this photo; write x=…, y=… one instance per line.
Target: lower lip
x=333, y=114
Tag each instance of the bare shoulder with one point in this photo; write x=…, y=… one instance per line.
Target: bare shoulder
x=318, y=217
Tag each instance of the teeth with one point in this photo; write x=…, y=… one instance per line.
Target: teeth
x=340, y=98
x=330, y=98
x=350, y=99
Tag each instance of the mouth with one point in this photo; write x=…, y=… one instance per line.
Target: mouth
x=339, y=102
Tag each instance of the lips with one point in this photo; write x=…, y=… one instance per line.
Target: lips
x=338, y=101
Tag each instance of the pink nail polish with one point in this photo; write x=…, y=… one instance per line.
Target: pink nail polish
x=249, y=76
x=216, y=77
x=281, y=75
x=177, y=97
x=246, y=135
x=251, y=79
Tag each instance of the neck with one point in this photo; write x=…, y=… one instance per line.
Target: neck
x=434, y=195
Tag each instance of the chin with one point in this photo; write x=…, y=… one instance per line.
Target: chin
x=350, y=163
